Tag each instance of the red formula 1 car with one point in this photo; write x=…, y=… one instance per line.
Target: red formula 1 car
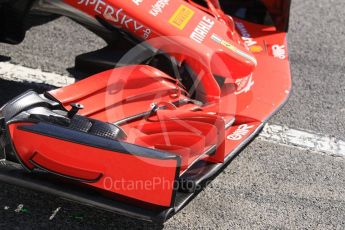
x=181, y=88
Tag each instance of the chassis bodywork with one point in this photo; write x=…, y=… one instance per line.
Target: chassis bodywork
x=165, y=124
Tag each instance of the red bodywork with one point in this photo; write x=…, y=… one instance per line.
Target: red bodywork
x=252, y=58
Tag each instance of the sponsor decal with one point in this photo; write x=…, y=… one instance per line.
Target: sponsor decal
x=240, y=132
x=279, y=51
x=158, y=7
x=243, y=30
x=181, y=17
x=244, y=85
x=247, y=38
x=256, y=49
x=137, y=2
x=117, y=17
x=203, y=28
x=233, y=48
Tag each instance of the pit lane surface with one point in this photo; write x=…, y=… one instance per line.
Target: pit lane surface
x=268, y=186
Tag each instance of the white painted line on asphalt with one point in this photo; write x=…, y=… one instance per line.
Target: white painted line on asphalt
x=12, y=72
x=303, y=139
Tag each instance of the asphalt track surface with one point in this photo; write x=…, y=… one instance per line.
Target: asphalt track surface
x=268, y=186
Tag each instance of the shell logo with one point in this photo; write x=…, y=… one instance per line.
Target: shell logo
x=256, y=49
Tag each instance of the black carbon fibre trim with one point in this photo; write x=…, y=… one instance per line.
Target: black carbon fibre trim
x=23, y=102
